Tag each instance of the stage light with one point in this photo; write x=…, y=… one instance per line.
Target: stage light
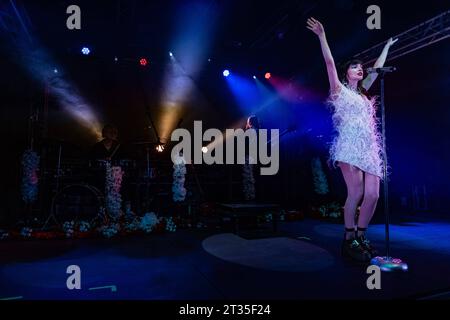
x=160, y=148
x=209, y=60
x=254, y=77
x=267, y=75
x=66, y=95
x=171, y=54
x=204, y=149
x=226, y=73
x=143, y=62
x=116, y=59
x=85, y=51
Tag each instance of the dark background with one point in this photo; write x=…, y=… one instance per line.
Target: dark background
x=249, y=37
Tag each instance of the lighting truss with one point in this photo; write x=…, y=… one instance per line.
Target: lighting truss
x=425, y=34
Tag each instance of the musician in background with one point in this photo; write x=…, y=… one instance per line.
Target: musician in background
x=102, y=152
x=109, y=146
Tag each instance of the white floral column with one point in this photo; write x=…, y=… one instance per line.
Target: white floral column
x=179, y=173
x=112, y=189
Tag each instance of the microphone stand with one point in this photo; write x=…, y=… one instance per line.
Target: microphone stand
x=386, y=263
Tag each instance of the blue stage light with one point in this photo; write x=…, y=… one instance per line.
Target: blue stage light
x=85, y=51
x=226, y=73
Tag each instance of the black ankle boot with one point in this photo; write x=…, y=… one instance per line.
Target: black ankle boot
x=352, y=248
x=365, y=243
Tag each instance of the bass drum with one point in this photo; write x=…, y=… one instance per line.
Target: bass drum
x=78, y=202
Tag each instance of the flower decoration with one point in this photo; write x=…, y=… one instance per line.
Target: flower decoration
x=68, y=228
x=149, y=222
x=113, y=199
x=26, y=232
x=30, y=180
x=170, y=225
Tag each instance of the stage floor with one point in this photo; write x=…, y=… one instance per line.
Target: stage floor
x=301, y=261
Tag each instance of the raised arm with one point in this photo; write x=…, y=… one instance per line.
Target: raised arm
x=316, y=27
x=371, y=77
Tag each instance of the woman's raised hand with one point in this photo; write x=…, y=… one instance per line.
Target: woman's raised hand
x=390, y=42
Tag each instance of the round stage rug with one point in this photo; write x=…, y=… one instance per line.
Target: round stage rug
x=276, y=254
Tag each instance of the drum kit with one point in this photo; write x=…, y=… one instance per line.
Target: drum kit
x=76, y=185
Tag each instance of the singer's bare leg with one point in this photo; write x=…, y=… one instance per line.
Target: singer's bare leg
x=354, y=180
x=371, y=195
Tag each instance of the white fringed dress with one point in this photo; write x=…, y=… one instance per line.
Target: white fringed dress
x=358, y=141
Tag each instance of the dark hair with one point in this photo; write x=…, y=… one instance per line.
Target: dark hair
x=344, y=75
x=253, y=121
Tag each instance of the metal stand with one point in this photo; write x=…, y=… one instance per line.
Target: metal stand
x=386, y=263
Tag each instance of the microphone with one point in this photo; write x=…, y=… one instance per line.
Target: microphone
x=380, y=70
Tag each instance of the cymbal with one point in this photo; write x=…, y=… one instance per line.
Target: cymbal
x=145, y=142
x=55, y=142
